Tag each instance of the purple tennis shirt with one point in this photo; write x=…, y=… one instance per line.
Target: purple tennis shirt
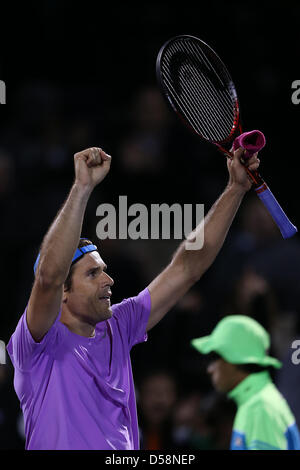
x=78, y=392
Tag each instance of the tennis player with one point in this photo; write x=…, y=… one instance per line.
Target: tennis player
x=71, y=347
x=239, y=366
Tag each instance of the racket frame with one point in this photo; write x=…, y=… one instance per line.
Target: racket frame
x=236, y=130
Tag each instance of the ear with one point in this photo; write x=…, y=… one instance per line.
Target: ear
x=65, y=296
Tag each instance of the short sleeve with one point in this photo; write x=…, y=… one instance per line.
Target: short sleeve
x=264, y=431
x=23, y=349
x=133, y=314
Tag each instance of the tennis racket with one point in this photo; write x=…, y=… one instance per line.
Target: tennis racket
x=199, y=88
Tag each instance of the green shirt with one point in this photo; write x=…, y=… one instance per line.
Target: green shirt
x=264, y=420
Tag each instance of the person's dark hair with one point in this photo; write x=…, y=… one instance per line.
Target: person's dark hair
x=248, y=368
x=212, y=356
x=254, y=368
x=68, y=281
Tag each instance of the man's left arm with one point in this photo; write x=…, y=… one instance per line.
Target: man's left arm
x=187, y=266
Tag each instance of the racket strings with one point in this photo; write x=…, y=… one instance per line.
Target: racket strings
x=209, y=131
x=211, y=99
x=175, y=96
x=209, y=102
x=227, y=97
x=186, y=105
x=220, y=102
x=186, y=108
x=205, y=99
x=205, y=103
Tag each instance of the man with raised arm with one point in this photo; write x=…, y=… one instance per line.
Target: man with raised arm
x=71, y=348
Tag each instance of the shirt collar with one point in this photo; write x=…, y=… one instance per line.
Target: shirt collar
x=252, y=384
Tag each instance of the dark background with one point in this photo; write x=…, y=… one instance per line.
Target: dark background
x=75, y=75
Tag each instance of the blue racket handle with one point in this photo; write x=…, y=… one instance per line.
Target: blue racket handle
x=285, y=226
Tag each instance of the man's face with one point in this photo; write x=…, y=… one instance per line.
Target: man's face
x=157, y=398
x=224, y=376
x=89, y=297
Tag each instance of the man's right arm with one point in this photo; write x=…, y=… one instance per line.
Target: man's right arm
x=61, y=242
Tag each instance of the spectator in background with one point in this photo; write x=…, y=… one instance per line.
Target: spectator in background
x=195, y=426
x=185, y=421
x=257, y=245
x=247, y=291
x=252, y=295
x=143, y=150
x=219, y=412
x=156, y=401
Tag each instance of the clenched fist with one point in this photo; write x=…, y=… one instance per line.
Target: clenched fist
x=91, y=167
x=237, y=173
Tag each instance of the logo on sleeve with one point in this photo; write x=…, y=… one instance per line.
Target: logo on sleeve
x=238, y=441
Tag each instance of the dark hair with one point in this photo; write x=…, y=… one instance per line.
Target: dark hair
x=248, y=368
x=212, y=357
x=68, y=281
x=253, y=368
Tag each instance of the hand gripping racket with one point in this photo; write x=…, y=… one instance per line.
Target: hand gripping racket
x=199, y=88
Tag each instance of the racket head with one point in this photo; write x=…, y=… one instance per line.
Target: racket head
x=199, y=88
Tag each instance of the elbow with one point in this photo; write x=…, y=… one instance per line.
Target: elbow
x=189, y=273
x=196, y=274
x=202, y=266
x=49, y=279
x=195, y=266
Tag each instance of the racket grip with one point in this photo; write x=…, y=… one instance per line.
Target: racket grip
x=285, y=226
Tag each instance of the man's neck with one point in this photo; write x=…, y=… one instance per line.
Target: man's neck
x=240, y=376
x=249, y=387
x=77, y=326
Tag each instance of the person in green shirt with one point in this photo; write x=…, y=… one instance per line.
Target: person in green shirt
x=240, y=367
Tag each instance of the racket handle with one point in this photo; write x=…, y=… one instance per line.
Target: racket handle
x=285, y=226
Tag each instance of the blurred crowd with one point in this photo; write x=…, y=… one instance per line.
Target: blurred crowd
x=155, y=160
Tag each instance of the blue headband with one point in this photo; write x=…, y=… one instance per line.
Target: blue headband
x=78, y=253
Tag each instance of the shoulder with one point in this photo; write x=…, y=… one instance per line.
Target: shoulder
x=132, y=307
x=131, y=316
x=262, y=423
x=22, y=347
x=142, y=300
x=266, y=411
x=270, y=402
